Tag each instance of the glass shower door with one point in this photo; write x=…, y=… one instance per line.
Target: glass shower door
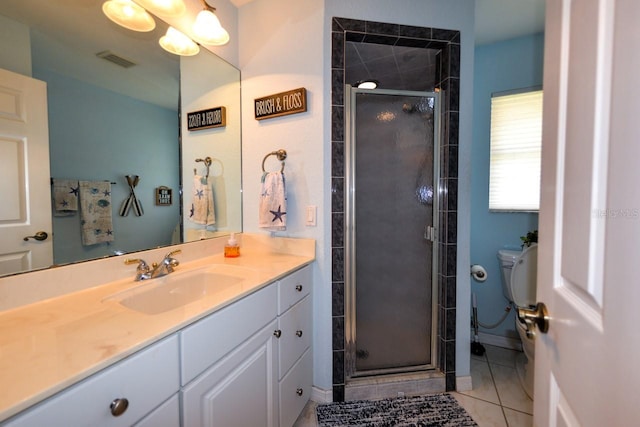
x=391, y=207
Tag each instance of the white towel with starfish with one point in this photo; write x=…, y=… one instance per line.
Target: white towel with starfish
x=95, y=212
x=202, y=211
x=65, y=197
x=273, y=202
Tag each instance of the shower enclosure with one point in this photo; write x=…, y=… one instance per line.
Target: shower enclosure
x=391, y=216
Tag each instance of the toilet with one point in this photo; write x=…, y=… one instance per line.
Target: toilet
x=519, y=287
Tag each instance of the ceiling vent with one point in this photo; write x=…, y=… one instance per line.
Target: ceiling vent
x=116, y=59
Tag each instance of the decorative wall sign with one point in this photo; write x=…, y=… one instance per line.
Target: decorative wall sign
x=207, y=119
x=163, y=196
x=281, y=104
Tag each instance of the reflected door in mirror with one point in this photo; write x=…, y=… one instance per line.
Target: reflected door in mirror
x=24, y=158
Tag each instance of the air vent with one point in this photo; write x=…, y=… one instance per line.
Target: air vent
x=116, y=59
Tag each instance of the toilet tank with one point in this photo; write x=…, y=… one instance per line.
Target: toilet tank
x=507, y=258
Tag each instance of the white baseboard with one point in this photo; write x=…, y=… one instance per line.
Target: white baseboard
x=464, y=383
x=320, y=395
x=500, y=341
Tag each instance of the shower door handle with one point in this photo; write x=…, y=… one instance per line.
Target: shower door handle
x=429, y=233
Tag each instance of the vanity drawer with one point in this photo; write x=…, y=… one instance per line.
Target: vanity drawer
x=295, y=337
x=295, y=390
x=208, y=340
x=293, y=288
x=145, y=380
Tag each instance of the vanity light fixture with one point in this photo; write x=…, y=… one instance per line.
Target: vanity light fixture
x=171, y=8
x=129, y=15
x=367, y=84
x=179, y=44
x=207, y=28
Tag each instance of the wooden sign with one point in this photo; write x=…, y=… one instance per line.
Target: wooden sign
x=163, y=196
x=207, y=119
x=281, y=104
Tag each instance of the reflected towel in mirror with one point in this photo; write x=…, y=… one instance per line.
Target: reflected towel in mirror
x=202, y=208
x=65, y=197
x=273, y=202
x=95, y=212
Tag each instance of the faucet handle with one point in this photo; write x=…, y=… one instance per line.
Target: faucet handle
x=142, y=264
x=172, y=253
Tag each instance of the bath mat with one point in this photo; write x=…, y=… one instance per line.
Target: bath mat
x=437, y=410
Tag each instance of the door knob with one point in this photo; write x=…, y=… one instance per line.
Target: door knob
x=39, y=236
x=538, y=316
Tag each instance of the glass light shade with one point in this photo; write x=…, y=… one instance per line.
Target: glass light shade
x=164, y=7
x=177, y=43
x=367, y=84
x=208, y=30
x=129, y=15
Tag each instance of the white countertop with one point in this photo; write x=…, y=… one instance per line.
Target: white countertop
x=48, y=345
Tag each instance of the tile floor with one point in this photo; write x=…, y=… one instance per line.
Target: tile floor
x=497, y=399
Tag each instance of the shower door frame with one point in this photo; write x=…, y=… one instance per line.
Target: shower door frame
x=350, y=233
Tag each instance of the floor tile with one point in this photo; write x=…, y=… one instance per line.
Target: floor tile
x=510, y=391
x=485, y=414
x=518, y=419
x=502, y=356
x=482, y=382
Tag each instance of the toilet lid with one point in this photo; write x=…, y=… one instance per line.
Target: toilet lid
x=524, y=277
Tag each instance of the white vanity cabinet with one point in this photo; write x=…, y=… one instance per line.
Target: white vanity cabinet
x=136, y=386
x=295, y=359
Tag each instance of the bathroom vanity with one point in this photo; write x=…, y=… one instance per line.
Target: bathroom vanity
x=241, y=356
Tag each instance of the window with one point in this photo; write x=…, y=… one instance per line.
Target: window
x=516, y=135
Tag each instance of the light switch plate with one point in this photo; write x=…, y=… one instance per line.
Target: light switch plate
x=310, y=218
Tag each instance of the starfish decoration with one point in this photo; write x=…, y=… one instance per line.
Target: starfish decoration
x=106, y=193
x=278, y=214
x=192, y=211
x=265, y=193
x=200, y=194
x=74, y=191
x=109, y=232
x=65, y=203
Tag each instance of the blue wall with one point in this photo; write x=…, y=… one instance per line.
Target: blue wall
x=511, y=64
x=96, y=134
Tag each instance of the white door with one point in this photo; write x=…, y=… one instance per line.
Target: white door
x=587, y=365
x=25, y=200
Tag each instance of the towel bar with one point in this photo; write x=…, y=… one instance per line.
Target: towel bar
x=280, y=154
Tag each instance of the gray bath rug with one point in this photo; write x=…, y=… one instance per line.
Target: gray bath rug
x=437, y=410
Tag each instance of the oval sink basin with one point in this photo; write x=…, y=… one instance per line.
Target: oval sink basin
x=175, y=290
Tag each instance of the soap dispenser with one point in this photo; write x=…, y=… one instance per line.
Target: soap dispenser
x=231, y=249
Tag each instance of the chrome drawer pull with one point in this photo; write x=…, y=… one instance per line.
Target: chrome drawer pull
x=119, y=406
x=299, y=288
x=299, y=333
x=299, y=392
x=277, y=333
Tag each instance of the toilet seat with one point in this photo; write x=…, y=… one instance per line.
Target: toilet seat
x=524, y=277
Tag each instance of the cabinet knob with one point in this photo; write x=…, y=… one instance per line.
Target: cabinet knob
x=299, y=288
x=277, y=333
x=299, y=333
x=119, y=406
x=299, y=392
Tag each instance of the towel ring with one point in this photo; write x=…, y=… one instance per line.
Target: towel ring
x=280, y=154
x=207, y=162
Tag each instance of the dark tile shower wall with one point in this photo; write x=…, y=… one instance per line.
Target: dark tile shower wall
x=448, y=79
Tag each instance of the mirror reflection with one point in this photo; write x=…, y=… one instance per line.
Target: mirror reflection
x=113, y=111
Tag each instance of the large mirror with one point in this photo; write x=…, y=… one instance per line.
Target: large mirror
x=115, y=99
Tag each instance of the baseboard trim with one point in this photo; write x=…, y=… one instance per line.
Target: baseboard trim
x=320, y=395
x=500, y=341
x=464, y=383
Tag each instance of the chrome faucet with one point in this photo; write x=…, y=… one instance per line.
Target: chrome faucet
x=166, y=266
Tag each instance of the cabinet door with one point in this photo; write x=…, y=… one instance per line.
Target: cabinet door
x=238, y=391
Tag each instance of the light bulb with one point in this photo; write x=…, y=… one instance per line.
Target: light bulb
x=208, y=30
x=129, y=15
x=178, y=43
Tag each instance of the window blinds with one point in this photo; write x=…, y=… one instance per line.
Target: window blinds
x=516, y=135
